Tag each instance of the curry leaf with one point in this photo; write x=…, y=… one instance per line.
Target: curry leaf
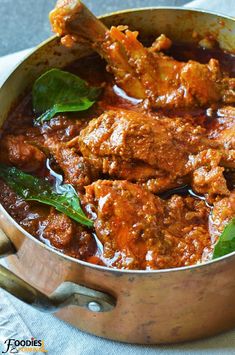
x=63, y=197
x=58, y=91
x=226, y=242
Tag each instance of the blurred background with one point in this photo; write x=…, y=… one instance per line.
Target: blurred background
x=24, y=23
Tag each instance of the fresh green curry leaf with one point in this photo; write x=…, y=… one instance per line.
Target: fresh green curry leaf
x=226, y=242
x=58, y=91
x=63, y=197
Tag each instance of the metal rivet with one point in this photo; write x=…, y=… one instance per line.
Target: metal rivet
x=94, y=306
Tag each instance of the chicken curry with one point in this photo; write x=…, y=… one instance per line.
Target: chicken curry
x=126, y=158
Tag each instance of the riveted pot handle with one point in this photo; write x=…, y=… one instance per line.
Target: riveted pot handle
x=66, y=294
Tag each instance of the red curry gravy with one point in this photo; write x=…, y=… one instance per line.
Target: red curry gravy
x=186, y=239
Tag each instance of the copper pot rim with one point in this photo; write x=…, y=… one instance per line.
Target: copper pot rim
x=84, y=263
x=177, y=8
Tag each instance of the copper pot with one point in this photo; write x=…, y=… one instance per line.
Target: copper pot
x=162, y=306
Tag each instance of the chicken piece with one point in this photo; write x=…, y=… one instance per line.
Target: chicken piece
x=29, y=214
x=138, y=146
x=222, y=213
x=225, y=133
x=16, y=151
x=210, y=182
x=74, y=22
x=16, y=206
x=59, y=229
x=64, y=18
x=159, y=153
x=221, y=130
x=129, y=219
x=143, y=73
x=186, y=230
x=62, y=128
x=77, y=170
x=140, y=231
x=207, y=174
x=68, y=236
x=166, y=82
x=222, y=127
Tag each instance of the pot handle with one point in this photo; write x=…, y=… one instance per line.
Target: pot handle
x=66, y=294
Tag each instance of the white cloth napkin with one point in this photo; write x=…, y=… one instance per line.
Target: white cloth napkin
x=21, y=321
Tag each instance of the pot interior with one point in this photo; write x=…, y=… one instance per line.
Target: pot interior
x=176, y=23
